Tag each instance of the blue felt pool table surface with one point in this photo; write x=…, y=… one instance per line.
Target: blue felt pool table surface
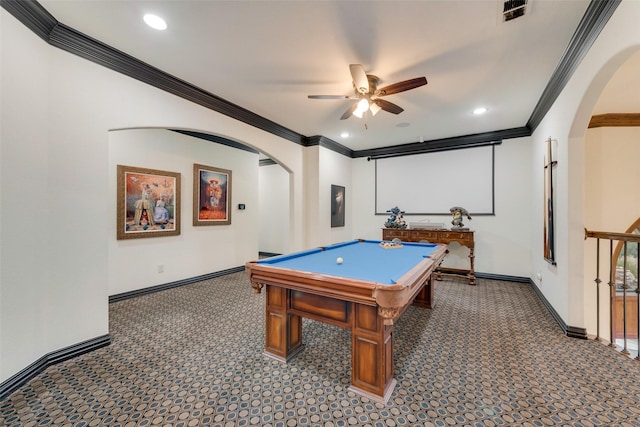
x=362, y=259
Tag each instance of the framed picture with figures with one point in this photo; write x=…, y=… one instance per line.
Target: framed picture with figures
x=211, y=195
x=148, y=203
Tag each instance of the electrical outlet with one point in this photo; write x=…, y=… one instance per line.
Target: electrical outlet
x=161, y=268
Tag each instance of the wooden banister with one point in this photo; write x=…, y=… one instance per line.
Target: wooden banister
x=625, y=237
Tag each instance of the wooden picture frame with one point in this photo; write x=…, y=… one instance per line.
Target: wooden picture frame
x=549, y=183
x=337, y=206
x=148, y=203
x=211, y=195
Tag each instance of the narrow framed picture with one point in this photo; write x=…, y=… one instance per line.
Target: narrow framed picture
x=148, y=203
x=549, y=184
x=211, y=195
x=337, y=206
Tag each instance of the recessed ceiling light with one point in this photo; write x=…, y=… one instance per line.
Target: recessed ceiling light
x=155, y=22
x=479, y=110
x=345, y=134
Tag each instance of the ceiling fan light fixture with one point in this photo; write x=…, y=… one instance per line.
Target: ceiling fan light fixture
x=363, y=105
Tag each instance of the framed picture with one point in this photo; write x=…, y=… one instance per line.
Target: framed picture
x=549, y=184
x=211, y=195
x=148, y=203
x=337, y=206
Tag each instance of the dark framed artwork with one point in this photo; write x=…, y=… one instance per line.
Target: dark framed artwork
x=211, y=195
x=148, y=203
x=337, y=206
x=549, y=227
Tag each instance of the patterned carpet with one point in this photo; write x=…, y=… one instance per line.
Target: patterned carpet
x=489, y=355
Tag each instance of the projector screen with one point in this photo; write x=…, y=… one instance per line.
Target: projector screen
x=432, y=183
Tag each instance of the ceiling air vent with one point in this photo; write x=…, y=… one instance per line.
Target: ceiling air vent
x=513, y=9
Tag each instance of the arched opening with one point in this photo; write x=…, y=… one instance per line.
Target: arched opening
x=610, y=198
x=199, y=248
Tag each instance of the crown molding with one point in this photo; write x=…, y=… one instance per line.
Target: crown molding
x=32, y=15
x=36, y=18
x=41, y=22
x=323, y=141
x=595, y=18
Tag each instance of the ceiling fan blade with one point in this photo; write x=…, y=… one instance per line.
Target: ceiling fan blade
x=401, y=86
x=387, y=106
x=329, y=97
x=349, y=111
x=360, y=80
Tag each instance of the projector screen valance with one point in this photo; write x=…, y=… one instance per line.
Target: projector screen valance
x=432, y=183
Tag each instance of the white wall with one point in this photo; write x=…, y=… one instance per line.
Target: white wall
x=323, y=168
x=565, y=286
x=502, y=242
x=197, y=250
x=334, y=169
x=273, y=189
x=311, y=195
x=57, y=203
x=611, y=178
x=28, y=211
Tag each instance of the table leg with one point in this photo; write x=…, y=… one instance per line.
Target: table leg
x=472, y=276
x=371, y=355
x=283, y=331
x=425, y=296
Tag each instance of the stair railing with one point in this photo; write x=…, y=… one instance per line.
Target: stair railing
x=628, y=239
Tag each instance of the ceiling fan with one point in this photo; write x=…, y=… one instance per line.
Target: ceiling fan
x=366, y=91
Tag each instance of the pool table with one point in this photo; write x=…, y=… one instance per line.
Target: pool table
x=366, y=293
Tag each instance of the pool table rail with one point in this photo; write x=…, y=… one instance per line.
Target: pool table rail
x=391, y=299
x=322, y=284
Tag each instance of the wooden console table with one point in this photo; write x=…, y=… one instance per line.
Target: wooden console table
x=444, y=236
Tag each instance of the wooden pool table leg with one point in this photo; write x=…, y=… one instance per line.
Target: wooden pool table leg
x=425, y=296
x=283, y=331
x=371, y=354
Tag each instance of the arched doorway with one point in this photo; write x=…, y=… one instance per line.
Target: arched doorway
x=610, y=201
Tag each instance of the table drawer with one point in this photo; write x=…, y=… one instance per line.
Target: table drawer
x=390, y=233
x=431, y=236
x=457, y=235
